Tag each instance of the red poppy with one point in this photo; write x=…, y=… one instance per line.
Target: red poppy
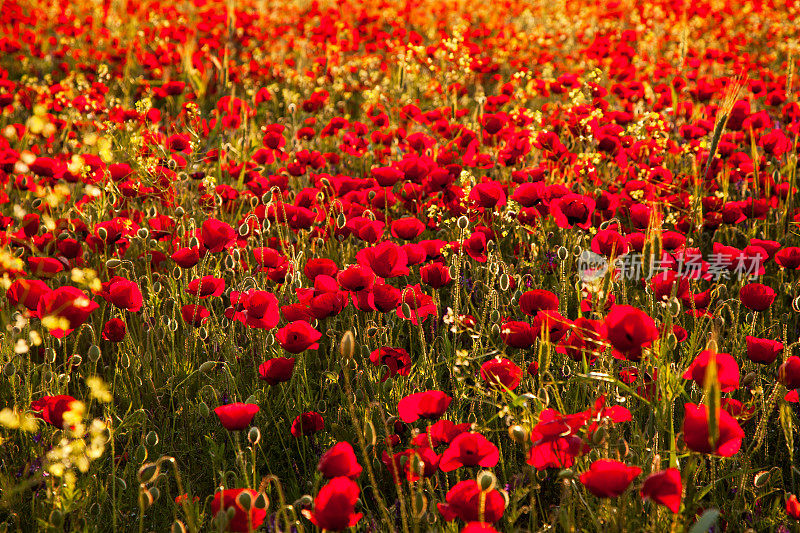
x=502, y=372
x=572, y=210
x=356, y=278
x=696, y=432
x=236, y=416
x=334, y=506
x=114, y=330
x=68, y=303
x=307, y=424
x=396, y=360
x=339, y=460
x=789, y=373
x=756, y=296
x=186, y=257
x=420, y=304
x=387, y=259
x=320, y=265
x=278, y=370
x=51, y=409
x=27, y=292
x=489, y=195
x=428, y=404
x=194, y=314
x=206, y=286
x=436, y=275
x=469, y=449
x=243, y=519
x=517, y=334
x=44, y=267
x=260, y=310
x=607, y=478
x=216, y=235
x=468, y=502
x=665, y=488
x=727, y=370
x=629, y=330
x=123, y=293
x=407, y=228
x=298, y=336
x=789, y=257
x=763, y=351
x=531, y=302
x=793, y=507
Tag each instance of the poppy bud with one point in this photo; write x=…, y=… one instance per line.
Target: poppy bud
x=179, y=212
x=208, y=366
x=486, y=480
x=518, y=434
x=244, y=500
x=143, y=233
x=347, y=345
x=178, y=527
x=305, y=500
x=254, y=435
x=9, y=370
x=94, y=353
x=151, y=439
x=204, y=410
x=463, y=222
x=147, y=473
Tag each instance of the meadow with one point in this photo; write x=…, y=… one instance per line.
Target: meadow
x=393, y=265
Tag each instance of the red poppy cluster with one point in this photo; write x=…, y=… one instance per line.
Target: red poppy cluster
x=363, y=228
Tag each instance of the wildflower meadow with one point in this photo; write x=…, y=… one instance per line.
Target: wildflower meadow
x=399, y=266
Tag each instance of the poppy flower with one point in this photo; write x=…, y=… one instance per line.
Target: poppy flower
x=396, y=360
x=44, y=267
x=436, y=275
x=420, y=304
x=236, y=416
x=789, y=373
x=665, y=488
x=387, y=259
x=307, y=424
x=629, y=330
x=788, y=257
x=696, y=432
x=114, y=330
x=517, y=334
x=489, y=195
x=123, y=293
x=356, y=278
x=428, y=404
x=793, y=507
x=572, y=210
x=502, y=372
x=478, y=527
x=468, y=502
x=261, y=310
x=334, y=506
x=607, y=478
x=763, y=351
x=339, y=460
x=298, y=336
x=186, y=257
x=385, y=297
x=206, y=286
x=469, y=449
x=320, y=265
x=52, y=409
x=407, y=228
x=727, y=370
x=531, y=302
x=27, y=292
x=278, y=370
x=241, y=520
x=194, y=314
x=216, y=235
x=756, y=296
x=66, y=307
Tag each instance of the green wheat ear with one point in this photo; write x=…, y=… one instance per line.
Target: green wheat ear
x=714, y=143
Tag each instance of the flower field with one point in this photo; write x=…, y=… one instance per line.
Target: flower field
x=393, y=265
